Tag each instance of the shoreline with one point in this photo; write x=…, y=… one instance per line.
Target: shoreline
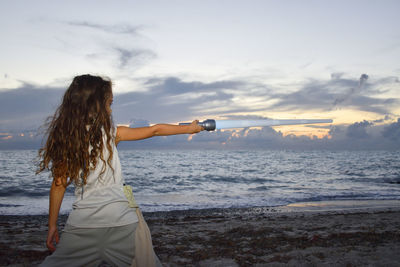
x=310, y=233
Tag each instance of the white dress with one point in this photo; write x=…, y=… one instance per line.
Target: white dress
x=102, y=202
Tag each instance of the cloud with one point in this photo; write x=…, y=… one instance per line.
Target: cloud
x=175, y=86
x=134, y=123
x=113, y=44
x=386, y=118
x=392, y=131
x=339, y=92
x=351, y=91
x=362, y=135
x=114, y=29
x=363, y=79
x=20, y=140
x=132, y=57
x=358, y=129
x=27, y=106
x=337, y=75
x=171, y=99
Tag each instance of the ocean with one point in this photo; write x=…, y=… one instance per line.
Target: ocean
x=197, y=179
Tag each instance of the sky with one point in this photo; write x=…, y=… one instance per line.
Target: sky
x=174, y=61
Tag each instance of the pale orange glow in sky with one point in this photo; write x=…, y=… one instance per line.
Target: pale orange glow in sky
x=339, y=116
x=304, y=131
x=297, y=130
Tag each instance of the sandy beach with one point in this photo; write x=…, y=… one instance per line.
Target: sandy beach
x=346, y=233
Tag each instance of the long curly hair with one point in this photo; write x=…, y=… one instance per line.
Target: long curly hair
x=78, y=125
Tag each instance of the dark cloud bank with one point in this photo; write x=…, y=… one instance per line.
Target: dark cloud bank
x=358, y=136
x=170, y=99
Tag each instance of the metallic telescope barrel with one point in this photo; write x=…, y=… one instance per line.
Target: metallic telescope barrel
x=211, y=125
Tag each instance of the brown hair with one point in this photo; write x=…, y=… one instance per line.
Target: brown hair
x=78, y=124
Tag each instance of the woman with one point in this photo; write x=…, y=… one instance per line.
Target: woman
x=81, y=149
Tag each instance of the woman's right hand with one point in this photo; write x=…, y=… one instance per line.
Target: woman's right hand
x=196, y=128
x=52, y=237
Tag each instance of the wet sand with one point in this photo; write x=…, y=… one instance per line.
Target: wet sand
x=306, y=234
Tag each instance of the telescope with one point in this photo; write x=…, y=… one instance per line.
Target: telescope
x=211, y=125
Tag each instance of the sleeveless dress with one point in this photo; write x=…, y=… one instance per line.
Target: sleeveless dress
x=101, y=225
x=102, y=202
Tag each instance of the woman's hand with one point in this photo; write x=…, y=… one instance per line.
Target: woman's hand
x=57, y=191
x=52, y=237
x=195, y=127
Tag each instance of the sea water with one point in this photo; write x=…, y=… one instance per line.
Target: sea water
x=185, y=179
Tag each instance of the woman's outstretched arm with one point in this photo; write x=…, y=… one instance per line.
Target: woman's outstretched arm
x=129, y=134
x=57, y=191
